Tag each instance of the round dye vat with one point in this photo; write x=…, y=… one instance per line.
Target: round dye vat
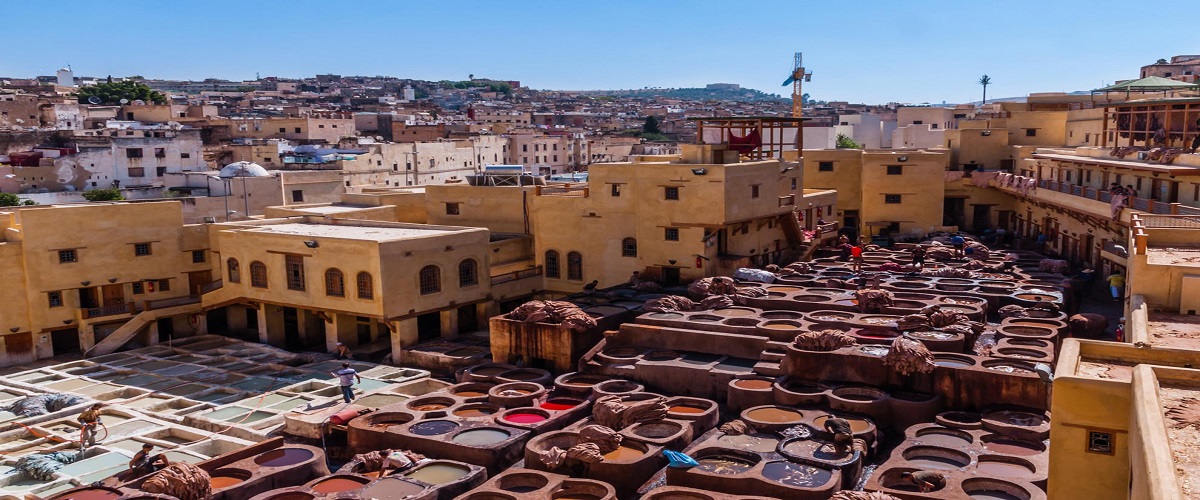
x=857, y=425
x=803, y=476
x=283, y=457
x=91, y=494
x=950, y=361
x=752, y=383
x=779, y=325
x=1021, y=418
x=480, y=437
x=470, y=394
x=761, y=443
x=338, y=484
x=433, y=427
x=560, y=404
x=724, y=465
x=524, y=418
x=439, y=473
x=1008, y=447
x=936, y=458
x=774, y=415
x=430, y=407
x=482, y=411
x=390, y=488
x=219, y=482
x=734, y=312
x=815, y=449
x=665, y=316
x=997, y=468
x=623, y=452
x=992, y=495
x=1035, y=296
x=688, y=409
x=945, y=438
x=1008, y=368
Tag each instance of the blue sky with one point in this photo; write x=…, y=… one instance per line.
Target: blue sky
x=865, y=51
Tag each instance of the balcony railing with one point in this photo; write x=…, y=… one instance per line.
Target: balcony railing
x=827, y=230
x=563, y=190
x=787, y=201
x=113, y=310
x=211, y=286
x=1103, y=195
x=172, y=302
x=517, y=275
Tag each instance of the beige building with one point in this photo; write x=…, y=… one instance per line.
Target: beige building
x=327, y=128
x=897, y=191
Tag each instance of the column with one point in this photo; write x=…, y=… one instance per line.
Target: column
x=262, y=324
x=449, y=323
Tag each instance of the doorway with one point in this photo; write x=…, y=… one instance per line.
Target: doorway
x=197, y=279
x=982, y=218
x=670, y=276
x=429, y=326
x=251, y=318
x=363, y=328
x=952, y=212
x=114, y=295
x=218, y=321
x=291, y=330
x=850, y=224
x=88, y=298
x=65, y=341
x=468, y=319
x=166, y=329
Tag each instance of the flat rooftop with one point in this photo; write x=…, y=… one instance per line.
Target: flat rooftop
x=1173, y=256
x=332, y=209
x=1180, y=331
x=363, y=233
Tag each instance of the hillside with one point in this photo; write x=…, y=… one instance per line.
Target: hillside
x=698, y=94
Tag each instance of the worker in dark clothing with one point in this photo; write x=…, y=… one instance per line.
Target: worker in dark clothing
x=340, y=351
x=591, y=287
x=89, y=420
x=925, y=480
x=918, y=257
x=843, y=436
x=145, y=463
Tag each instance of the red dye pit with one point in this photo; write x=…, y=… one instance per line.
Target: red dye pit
x=524, y=418
x=560, y=404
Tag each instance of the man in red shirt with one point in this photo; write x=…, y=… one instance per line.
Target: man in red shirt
x=856, y=258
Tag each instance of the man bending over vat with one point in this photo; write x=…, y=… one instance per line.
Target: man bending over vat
x=925, y=480
x=144, y=463
x=843, y=437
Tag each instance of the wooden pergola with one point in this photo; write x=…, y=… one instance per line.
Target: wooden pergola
x=1176, y=121
x=757, y=137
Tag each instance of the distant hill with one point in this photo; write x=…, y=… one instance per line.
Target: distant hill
x=698, y=94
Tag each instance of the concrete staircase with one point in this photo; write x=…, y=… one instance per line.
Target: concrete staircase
x=131, y=328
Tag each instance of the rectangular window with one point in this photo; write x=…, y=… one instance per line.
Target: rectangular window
x=452, y=209
x=65, y=256
x=616, y=190
x=1100, y=442
x=164, y=285
x=133, y=153
x=141, y=249
x=160, y=171
x=297, y=130
x=137, y=172
x=671, y=193
x=138, y=288
x=895, y=169
x=793, y=183
x=295, y=272
x=185, y=156
x=297, y=196
x=1030, y=132
x=754, y=191
x=321, y=126
x=282, y=130
x=198, y=256
x=54, y=299
x=672, y=234
x=891, y=198
x=825, y=166
x=160, y=152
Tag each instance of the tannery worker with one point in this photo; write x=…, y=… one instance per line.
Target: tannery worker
x=90, y=421
x=925, y=480
x=843, y=436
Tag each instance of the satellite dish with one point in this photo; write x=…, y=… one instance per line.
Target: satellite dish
x=139, y=102
x=94, y=100
x=124, y=101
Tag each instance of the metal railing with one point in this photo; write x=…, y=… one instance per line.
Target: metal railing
x=517, y=275
x=172, y=302
x=1170, y=221
x=211, y=286
x=1103, y=195
x=113, y=310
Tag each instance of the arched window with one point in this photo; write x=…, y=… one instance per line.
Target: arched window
x=235, y=272
x=629, y=247
x=575, y=266
x=366, y=286
x=552, y=264
x=468, y=273
x=258, y=274
x=431, y=280
x=335, y=283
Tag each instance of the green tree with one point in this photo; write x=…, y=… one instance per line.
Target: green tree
x=985, y=81
x=109, y=194
x=113, y=92
x=654, y=137
x=651, y=125
x=9, y=200
x=845, y=142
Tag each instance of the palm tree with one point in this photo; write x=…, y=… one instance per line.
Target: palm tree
x=471, y=77
x=985, y=81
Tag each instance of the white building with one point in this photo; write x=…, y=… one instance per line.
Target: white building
x=66, y=78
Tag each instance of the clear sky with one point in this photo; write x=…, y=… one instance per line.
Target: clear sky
x=870, y=51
